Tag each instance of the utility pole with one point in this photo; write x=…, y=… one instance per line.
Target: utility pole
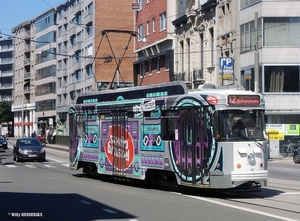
x=256, y=55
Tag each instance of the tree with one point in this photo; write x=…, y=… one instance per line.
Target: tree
x=5, y=111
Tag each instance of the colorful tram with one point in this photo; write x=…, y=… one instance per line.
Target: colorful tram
x=168, y=135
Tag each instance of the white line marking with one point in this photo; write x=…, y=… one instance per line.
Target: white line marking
x=109, y=211
x=86, y=202
x=50, y=166
x=54, y=160
x=290, y=193
x=66, y=164
x=30, y=166
x=11, y=165
x=241, y=208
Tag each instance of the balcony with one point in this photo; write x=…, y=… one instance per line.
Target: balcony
x=27, y=75
x=88, y=61
x=88, y=19
x=27, y=61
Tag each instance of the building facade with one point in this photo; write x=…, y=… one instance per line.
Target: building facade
x=155, y=56
x=64, y=52
x=24, y=78
x=6, y=69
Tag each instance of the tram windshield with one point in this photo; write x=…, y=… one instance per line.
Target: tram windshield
x=239, y=125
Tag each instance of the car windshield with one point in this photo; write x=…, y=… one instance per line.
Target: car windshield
x=30, y=142
x=1, y=137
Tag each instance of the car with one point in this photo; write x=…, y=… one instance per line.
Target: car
x=3, y=142
x=293, y=141
x=29, y=149
x=296, y=155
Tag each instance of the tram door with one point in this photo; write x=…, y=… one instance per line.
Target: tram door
x=191, y=136
x=118, y=160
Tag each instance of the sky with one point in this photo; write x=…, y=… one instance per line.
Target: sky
x=14, y=12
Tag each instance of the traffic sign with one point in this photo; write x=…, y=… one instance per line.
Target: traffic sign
x=226, y=67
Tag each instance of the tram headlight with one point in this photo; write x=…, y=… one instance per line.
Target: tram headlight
x=251, y=159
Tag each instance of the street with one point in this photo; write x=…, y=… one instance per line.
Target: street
x=51, y=191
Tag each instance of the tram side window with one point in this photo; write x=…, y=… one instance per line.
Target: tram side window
x=169, y=125
x=81, y=124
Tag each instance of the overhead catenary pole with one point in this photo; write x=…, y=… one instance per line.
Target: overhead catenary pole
x=256, y=55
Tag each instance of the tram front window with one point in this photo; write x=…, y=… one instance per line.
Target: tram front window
x=239, y=125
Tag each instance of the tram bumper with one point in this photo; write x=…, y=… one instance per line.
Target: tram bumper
x=239, y=178
x=219, y=180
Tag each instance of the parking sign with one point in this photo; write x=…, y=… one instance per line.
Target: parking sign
x=226, y=67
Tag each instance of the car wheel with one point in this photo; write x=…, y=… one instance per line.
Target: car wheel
x=14, y=157
x=296, y=158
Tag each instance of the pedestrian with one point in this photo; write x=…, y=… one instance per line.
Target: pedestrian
x=53, y=138
x=33, y=134
x=47, y=135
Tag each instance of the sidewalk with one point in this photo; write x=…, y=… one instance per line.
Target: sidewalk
x=12, y=141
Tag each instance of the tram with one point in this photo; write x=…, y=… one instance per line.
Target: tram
x=168, y=135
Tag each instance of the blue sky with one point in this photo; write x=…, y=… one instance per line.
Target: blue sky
x=14, y=12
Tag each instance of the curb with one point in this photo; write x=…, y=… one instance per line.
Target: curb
x=13, y=140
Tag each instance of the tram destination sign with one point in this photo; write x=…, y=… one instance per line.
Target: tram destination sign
x=243, y=100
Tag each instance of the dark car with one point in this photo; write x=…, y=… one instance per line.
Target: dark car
x=293, y=141
x=3, y=142
x=29, y=149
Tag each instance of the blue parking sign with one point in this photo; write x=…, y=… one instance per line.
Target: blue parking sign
x=226, y=67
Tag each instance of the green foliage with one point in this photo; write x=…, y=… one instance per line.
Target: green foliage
x=5, y=111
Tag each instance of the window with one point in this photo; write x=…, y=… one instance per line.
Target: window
x=158, y=65
x=167, y=63
x=89, y=29
x=247, y=3
x=59, y=31
x=153, y=25
x=282, y=79
x=141, y=32
x=90, y=50
x=150, y=67
x=89, y=71
x=142, y=70
x=77, y=57
x=163, y=21
x=141, y=4
x=248, y=40
x=282, y=31
x=148, y=27
x=90, y=8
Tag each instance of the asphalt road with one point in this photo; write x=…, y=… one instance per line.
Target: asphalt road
x=51, y=191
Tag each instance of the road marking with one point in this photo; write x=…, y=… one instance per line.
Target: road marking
x=109, y=211
x=30, y=166
x=290, y=193
x=66, y=164
x=11, y=165
x=54, y=160
x=50, y=166
x=85, y=202
x=239, y=208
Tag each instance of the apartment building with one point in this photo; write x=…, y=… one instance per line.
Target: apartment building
x=6, y=68
x=155, y=43
x=65, y=51
x=24, y=78
x=278, y=44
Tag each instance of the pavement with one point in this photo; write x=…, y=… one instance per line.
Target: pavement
x=12, y=141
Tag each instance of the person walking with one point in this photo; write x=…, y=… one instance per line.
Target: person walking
x=53, y=138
